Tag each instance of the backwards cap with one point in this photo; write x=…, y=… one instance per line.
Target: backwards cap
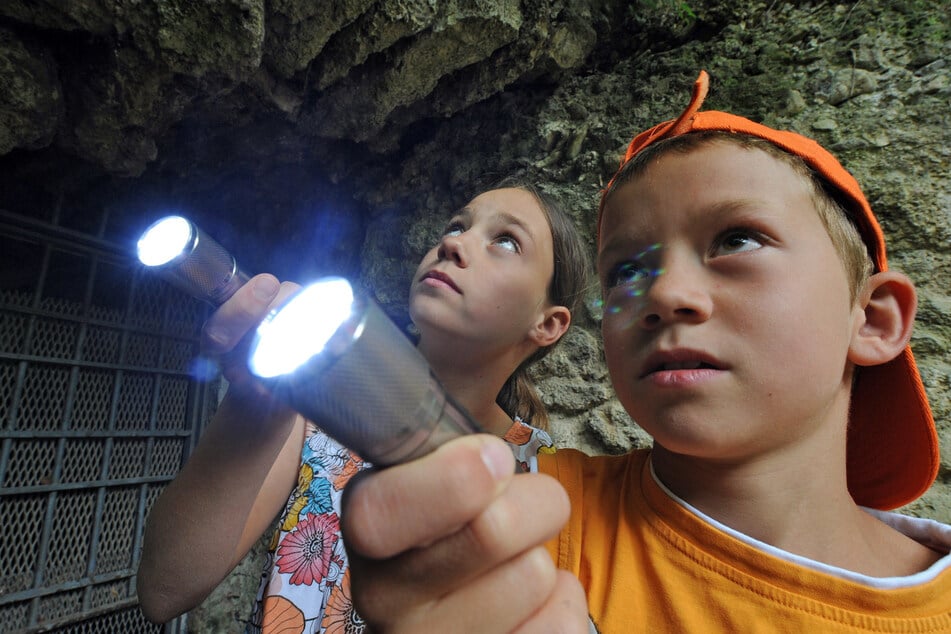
x=892, y=446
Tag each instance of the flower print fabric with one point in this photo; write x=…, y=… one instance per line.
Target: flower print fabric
x=305, y=587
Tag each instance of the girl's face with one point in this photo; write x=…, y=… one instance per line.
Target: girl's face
x=487, y=279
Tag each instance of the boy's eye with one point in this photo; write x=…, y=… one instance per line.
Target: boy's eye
x=737, y=241
x=627, y=273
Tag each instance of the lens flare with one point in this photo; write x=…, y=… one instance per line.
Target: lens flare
x=623, y=293
x=164, y=240
x=300, y=329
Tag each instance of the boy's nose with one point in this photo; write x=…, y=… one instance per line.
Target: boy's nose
x=677, y=293
x=452, y=247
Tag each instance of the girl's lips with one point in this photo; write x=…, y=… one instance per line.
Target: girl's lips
x=439, y=279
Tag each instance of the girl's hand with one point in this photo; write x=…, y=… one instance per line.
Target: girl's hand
x=454, y=542
x=241, y=471
x=227, y=334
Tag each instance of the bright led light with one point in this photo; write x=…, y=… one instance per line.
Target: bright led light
x=165, y=240
x=300, y=328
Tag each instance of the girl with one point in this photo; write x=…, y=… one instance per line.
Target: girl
x=491, y=298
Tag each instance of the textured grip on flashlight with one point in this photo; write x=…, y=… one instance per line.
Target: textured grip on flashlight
x=373, y=392
x=205, y=270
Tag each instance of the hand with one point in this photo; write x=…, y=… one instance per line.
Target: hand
x=227, y=334
x=454, y=541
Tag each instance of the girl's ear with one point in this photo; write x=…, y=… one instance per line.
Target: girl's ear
x=553, y=323
x=888, y=304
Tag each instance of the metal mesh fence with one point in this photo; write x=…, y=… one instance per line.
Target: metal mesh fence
x=98, y=411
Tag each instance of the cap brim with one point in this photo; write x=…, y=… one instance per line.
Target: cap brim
x=893, y=454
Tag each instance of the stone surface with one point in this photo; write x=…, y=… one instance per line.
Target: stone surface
x=338, y=139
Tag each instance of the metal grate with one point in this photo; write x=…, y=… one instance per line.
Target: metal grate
x=98, y=411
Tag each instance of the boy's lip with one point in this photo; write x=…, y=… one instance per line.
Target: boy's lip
x=439, y=276
x=679, y=359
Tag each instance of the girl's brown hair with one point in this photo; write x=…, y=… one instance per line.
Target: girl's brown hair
x=518, y=397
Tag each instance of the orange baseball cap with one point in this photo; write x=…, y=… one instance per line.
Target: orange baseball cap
x=892, y=445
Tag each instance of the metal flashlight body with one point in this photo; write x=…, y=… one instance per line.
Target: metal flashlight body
x=190, y=259
x=366, y=385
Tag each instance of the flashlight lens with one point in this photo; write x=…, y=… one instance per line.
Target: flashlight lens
x=300, y=328
x=164, y=240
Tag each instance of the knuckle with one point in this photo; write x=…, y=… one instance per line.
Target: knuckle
x=494, y=530
x=502, y=527
x=363, y=534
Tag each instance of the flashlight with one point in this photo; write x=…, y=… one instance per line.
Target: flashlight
x=328, y=352
x=335, y=357
x=190, y=259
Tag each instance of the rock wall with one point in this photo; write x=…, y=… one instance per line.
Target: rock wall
x=344, y=135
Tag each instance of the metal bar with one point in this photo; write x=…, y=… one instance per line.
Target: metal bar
x=48, y=233
x=75, y=486
x=65, y=586
x=56, y=625
x=93, y=545
x=111, y=325
x=95, y=433
x=91, y=364
x=43, y=550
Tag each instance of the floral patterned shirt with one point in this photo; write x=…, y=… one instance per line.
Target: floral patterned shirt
x=305, y=586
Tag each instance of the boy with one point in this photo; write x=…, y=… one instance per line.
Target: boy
x=752, y=328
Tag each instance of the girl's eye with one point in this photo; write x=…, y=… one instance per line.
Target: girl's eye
x=508, y=243
x=627, y=273
x=453, y=229
x=737, y=241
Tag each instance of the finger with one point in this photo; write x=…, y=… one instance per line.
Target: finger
x=531, y=511
x=387, y=512
x=243, y=310
x=231, y=329
x=565, y=611
x=236, y=319
x=499, y=601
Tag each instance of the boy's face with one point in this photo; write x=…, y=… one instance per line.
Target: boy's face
x=727, y=318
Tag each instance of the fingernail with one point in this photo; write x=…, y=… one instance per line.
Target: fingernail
x=499, y=460
x=265, y=288
x=217, y=335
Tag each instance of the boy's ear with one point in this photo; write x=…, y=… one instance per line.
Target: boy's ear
x=552, y=324
x=889, y=303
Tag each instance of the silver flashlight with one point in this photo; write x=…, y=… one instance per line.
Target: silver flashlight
x=330, y=353
x=190, y=259
x=335, y=357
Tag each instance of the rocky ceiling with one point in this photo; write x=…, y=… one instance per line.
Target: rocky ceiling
x=249, y=110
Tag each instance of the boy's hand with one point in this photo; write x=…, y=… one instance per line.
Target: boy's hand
x=454, y=542
x=227, y=334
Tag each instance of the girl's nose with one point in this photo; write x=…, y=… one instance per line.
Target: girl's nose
x=452, y=247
